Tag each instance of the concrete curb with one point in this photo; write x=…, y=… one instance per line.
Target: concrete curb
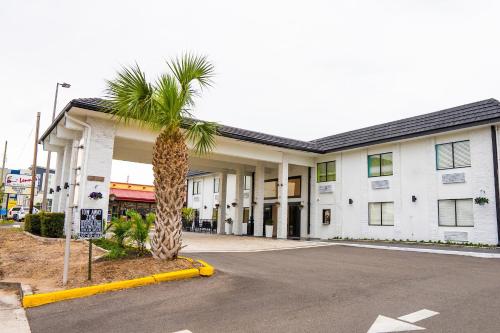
x=40, y=299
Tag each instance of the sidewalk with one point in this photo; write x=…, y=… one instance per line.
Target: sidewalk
x=479, y=252
x=12, y=315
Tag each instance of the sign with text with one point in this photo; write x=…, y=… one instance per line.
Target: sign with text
x=91, y=223
x=453, y=178
x=21, y=180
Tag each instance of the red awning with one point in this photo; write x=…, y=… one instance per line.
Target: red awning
x=132, y=195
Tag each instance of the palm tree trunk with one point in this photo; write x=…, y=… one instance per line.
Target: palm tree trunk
x=170, y=167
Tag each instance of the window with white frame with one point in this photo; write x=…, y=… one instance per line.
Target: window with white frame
x=381, y=213
x=216, y=185
x=196, y=187
x=453, y=155
x=455, y=213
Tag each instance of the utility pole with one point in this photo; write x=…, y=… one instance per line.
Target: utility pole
x=33, y=167
x=2, y=187
x=49, y=153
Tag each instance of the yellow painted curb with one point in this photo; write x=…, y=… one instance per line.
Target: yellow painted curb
x=56, y=296
x=206, y=269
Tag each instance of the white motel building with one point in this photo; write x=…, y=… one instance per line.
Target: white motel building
x=432, y=177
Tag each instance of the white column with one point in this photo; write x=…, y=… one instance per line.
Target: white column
x=57, y=178
x=258, y=209
x=63, y=194
x=221, y=218
x=282, y=231
x=97, y=157
x=238, y=213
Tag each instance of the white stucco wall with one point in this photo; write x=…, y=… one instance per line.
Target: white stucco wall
x=414, y=173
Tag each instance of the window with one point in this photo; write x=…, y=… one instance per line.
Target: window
x=455, y=213
x=453, y=155
x=380, y=165
x=196, y=187
x=326, y=172
x=247, y=182
x=294, y=184
x=271, y=189
x=381, y=213
x=216, y=185
x=294, y=188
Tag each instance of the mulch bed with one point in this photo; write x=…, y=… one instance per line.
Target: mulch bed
x=40, y=263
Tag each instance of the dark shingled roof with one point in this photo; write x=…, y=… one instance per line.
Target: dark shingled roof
x=468, y=115
x=225, y=131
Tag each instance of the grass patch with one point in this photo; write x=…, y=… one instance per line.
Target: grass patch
x=6, y=222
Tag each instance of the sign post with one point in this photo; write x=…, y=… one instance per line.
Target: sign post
x=90, y=228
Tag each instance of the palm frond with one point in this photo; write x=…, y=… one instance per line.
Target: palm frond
x=202, y=135
x=189, y=68
x=130, y=96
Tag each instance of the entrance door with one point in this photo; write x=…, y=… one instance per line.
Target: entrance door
x=294, y=220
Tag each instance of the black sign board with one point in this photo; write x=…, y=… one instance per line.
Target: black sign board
x=91, y=223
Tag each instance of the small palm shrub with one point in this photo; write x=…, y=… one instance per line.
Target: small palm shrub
x=120, y=227
x=139, y=231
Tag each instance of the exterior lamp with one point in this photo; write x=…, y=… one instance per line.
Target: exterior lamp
x=66, y=186
x=413, y=198
x=351, y=201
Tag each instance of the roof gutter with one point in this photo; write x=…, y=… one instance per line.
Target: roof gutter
x=55, y=122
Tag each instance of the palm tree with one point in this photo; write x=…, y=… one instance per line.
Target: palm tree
x=166, y=105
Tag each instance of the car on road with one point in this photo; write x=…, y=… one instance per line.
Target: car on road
x=18, y=213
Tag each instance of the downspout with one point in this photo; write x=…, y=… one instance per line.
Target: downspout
x=252, y=199
x=83, y=180
x=309, y=201
x=495, y=176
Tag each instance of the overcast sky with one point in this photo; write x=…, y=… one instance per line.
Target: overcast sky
x=300, y=69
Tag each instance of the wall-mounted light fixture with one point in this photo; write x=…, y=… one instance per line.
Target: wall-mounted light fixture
x=413, y=198
x=204, y=207
x=228, y=206
x=66, y=186
x=51, y=191
x=58, y=188
x=350, y=201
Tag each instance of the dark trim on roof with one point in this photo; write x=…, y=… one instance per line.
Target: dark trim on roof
x=459, y=117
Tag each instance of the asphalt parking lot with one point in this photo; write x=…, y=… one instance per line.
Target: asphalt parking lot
x=323, y=289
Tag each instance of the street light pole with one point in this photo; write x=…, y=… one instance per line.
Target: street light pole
x=49, y=153
x=33, y=167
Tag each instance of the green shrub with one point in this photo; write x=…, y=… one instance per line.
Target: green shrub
x=120, y=227
x=52, y=224
x=140, y=228
x=32, y=224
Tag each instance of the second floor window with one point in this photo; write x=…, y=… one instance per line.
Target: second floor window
x=196, y=187
x=326, y=172
x=453, y=155
x=380, y=165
